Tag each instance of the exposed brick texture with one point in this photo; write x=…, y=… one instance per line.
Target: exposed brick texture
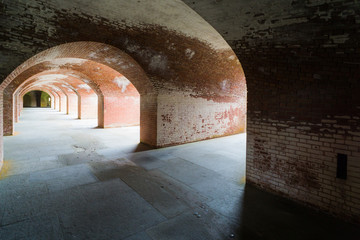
x=301, y=60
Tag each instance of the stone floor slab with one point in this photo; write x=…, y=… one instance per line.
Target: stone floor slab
x=81, y=182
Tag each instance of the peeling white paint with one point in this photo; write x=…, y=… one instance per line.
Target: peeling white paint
x=158, y=62
x=111, y=60
x=84, y=86
x=132, y=47
x=122, y=82
x=78, y=77
x=68, y=87
x=339, y=38
x=56, y=88
x=93, y=55
x=171, y=46
x=224, y=85
x=189, y=53
x=64, y=61
x=51, y=77
x=126, y=66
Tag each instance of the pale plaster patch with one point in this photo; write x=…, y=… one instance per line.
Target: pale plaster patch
x=224, y=85
x=158, y=62
x=189, y=53
x=56, y=88
x=67, y=87
x=93, y=55
x=50, y=77
x=171, y=46
x=339, y=38
x=78, y=77
x=122, y=82
x=111, y=60
x=63, y=61
x=84, y=86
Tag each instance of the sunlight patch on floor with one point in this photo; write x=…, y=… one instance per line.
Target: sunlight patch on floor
x=5, y=169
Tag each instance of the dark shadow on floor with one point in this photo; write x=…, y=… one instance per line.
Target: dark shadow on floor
x=267, y=216
x=141, y=147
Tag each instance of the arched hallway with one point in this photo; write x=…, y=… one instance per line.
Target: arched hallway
x=284, y=72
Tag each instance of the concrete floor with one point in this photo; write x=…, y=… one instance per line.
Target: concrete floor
x=66, y=179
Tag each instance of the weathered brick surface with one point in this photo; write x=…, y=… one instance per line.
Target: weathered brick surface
x=178, y=118
x=303, y=102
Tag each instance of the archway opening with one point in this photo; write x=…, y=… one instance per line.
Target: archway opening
x=36, y=98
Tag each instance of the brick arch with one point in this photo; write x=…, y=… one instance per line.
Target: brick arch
x=79, y=52
x=72, y=83
x=61, y=102
x=111, y=87
x=207, y=100
x=55, y=98
x=70, y=94
x=44, y=89
x=28, y=91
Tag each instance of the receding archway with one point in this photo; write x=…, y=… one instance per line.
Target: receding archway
x=36, y=98
x=169, y=115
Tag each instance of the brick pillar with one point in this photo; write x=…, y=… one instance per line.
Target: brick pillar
x=88, y=106
x=8, y=113
x=148, y=119
x=52, y=102
x=56, y=101
x=63, y=102
x=72, y=103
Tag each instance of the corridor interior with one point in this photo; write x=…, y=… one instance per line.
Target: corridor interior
x=65, y=178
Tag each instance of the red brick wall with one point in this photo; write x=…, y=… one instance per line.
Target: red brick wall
x=121, y=111
x=72, y=104
x=184, y=119
x=8, y=114
x=88, y=107
x=63, y=102
x=148, y=119
x=56, y=101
